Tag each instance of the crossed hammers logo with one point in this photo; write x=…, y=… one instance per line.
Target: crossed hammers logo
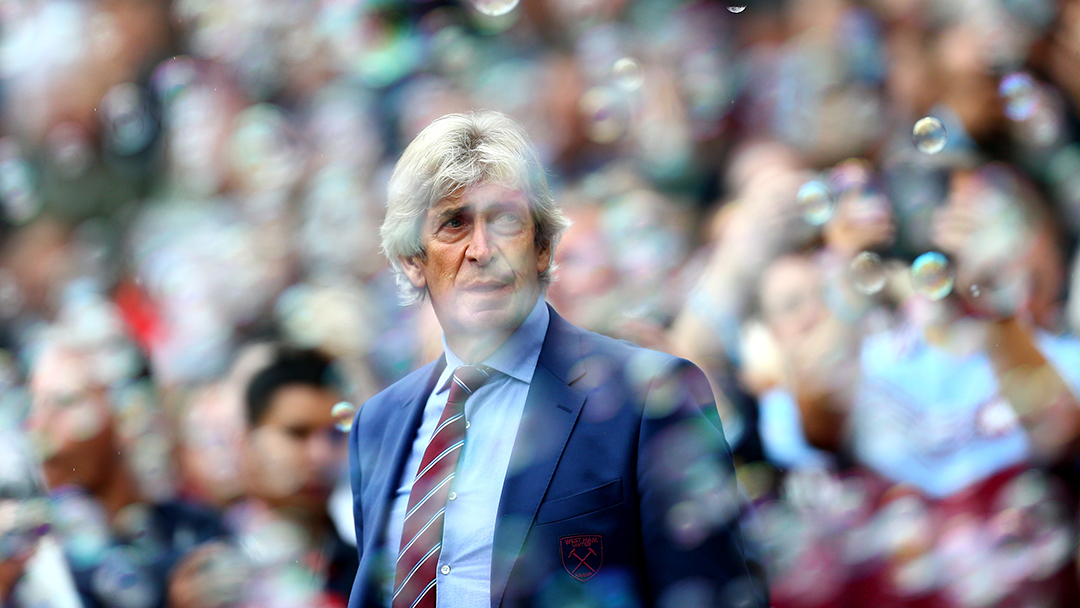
x=581, y=560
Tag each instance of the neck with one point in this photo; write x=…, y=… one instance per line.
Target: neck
x=119, y=491
x=314, y=524
x=474, y=348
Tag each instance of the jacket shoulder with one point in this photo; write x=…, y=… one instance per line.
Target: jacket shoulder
x=397, y=393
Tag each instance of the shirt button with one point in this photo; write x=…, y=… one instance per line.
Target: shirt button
x=466, y=424
x=445, y=569
x=452, y=496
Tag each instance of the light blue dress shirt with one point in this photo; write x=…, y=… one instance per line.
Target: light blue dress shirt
x=493, y=414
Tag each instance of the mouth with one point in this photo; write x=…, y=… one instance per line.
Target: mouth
x=487, y=286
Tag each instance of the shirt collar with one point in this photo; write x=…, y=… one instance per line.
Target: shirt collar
x=516, y=357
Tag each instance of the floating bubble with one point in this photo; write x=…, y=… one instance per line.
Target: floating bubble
x=815, y=202
x=606, y=116
x=931, y=276
x=627, y=74
x=736, y=8
x=123, y=582
x=687, y=523
x=172, y=76
x=128, y=125
x=273, y=542
x=17, y=191
x=494, y=8
x=929, y=135
x=867, y=273
x=81, y=524
x=1020, y=94
x=343, y=413
x=69, y=149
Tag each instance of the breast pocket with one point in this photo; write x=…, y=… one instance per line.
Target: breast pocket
x=582, y=503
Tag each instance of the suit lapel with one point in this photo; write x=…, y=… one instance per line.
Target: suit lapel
x=401, y=428
x=551, y=410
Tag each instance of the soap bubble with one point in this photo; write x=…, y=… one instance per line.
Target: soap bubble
x=123, y=582
x=606, y=116
x=815, y=202
x=931, y=276
x=627, y=74
x=172, y=76
x=343, y=413
x=18, y=191
x=929, y=135
x=867, y=273
x=69, y=149
x=494, y=8
x=1020, y=94
x=736, y=8
x=127, y=124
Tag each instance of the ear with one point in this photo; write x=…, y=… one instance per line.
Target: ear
x=414, y=269
x=543, y=259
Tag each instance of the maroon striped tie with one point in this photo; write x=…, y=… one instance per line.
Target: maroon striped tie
x=421, y=536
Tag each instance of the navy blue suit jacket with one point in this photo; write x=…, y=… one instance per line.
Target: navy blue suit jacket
x=620, y=491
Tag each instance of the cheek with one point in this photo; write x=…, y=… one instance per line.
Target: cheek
x=275, y=463
x=66, y=429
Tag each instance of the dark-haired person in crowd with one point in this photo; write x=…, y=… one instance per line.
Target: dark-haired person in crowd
x=294, y=452
x=534, y=463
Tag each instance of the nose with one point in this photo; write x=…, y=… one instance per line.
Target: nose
x=479, y=249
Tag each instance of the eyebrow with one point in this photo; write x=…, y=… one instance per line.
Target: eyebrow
x=448, y=213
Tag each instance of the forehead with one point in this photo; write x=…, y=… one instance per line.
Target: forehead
x=57, y=370
x=482, y=196
x=301, y=404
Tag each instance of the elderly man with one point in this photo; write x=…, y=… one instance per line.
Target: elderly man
x=534, y=463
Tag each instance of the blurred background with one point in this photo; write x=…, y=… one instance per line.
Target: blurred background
x=860, y=217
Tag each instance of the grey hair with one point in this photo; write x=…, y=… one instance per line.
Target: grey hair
x=453, y=153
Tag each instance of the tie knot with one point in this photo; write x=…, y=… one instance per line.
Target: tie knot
x=472, y=377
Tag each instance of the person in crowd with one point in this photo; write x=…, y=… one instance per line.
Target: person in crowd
x=95, y=428
x=294, y=455
x=943, y=415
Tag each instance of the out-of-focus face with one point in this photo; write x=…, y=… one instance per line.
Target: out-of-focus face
x=71, y=421
x=791, y=298
x=586, y=270
x=481, y=266
x=1046, y=262
x=296, y=452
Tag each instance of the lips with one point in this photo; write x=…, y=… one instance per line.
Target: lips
x=486, y=286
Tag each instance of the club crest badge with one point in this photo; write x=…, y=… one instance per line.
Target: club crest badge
x=582, y=555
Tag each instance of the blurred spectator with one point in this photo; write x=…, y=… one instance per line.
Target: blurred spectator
x=105, y=458
x=960, y=401
x=294, y=455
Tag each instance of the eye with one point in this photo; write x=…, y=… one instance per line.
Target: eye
x=507, y=222
x=454, y=222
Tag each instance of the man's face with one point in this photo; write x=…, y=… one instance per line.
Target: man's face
x=70, y=421
x=482, y=266
x=296, y=452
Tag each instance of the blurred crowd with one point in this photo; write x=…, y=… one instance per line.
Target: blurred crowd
x=860, y=217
